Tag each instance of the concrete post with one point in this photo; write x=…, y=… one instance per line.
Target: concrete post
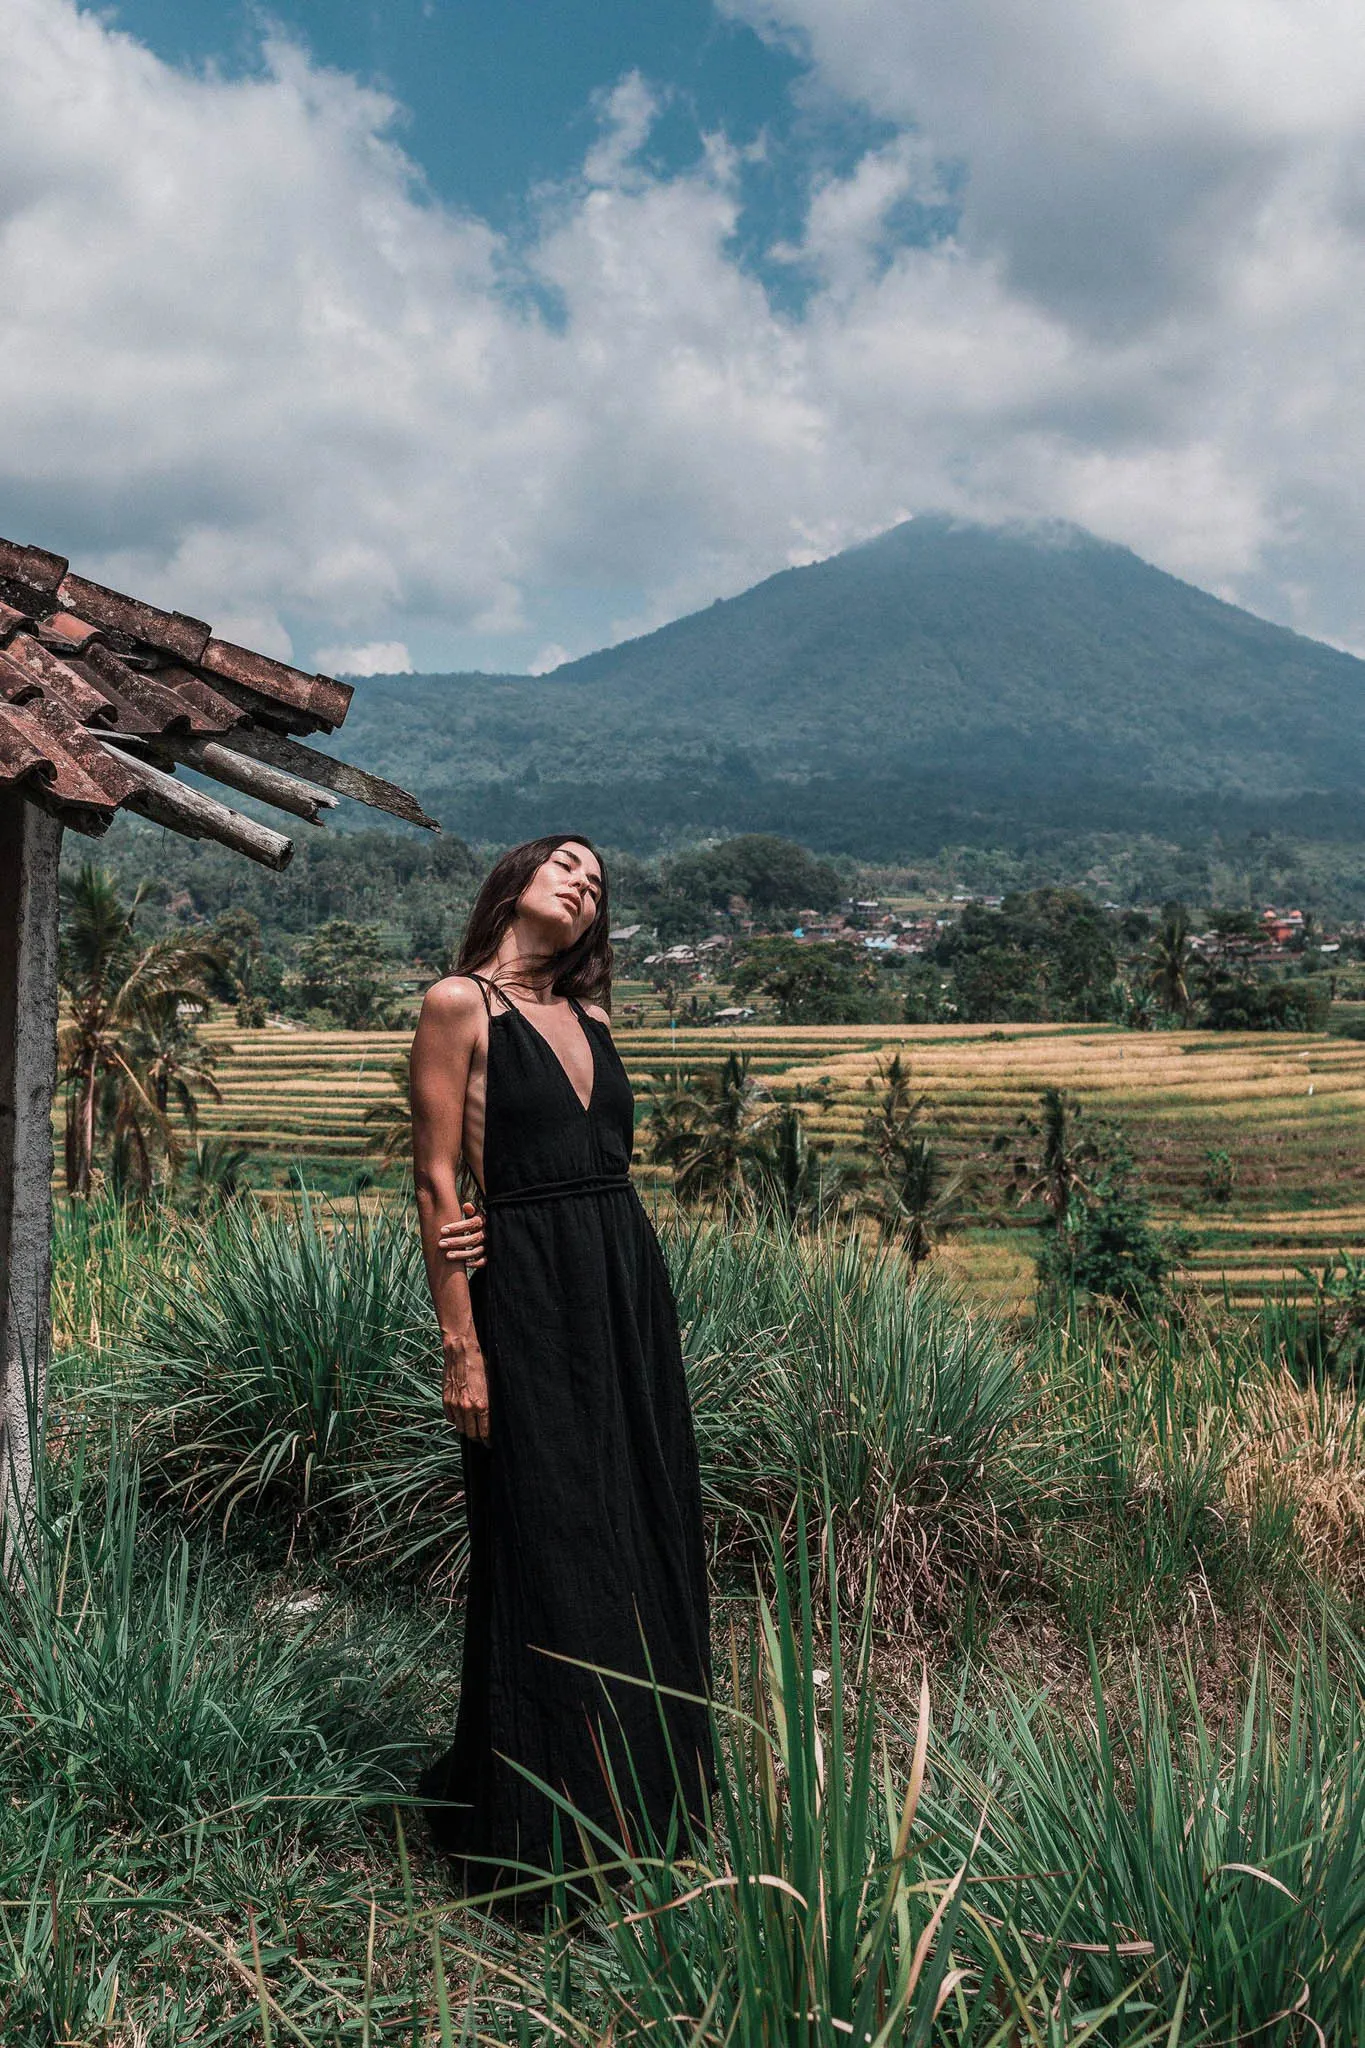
x=30, y=849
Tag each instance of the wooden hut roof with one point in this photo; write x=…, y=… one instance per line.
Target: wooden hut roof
x=102, y=697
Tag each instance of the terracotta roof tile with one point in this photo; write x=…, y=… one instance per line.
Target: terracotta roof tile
x=320, y=696
x=34, y=670
x=79, y=661
x=64, y=633
x=23, y=757
x=10, y=622
x=168, y=632
x=78, y=755
x=34, y=567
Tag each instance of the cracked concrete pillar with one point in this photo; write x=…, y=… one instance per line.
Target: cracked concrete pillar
x=30, y=850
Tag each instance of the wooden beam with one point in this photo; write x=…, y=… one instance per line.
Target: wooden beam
x=197, y=816
x=239, y=771
x=332, y=774
x=30, y=851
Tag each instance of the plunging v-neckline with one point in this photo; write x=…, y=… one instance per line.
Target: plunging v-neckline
x=585, y=1108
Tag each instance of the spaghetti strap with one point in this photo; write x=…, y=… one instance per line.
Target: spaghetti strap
x=486, y=988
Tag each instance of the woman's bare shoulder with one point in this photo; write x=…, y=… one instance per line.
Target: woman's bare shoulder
x=452, y=1003
x=595, y=1010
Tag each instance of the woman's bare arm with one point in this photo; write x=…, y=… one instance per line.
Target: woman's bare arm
x=448, y=1033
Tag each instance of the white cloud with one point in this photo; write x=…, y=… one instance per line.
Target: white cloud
x=250, y=369
x=548, y=659
x=376, y=658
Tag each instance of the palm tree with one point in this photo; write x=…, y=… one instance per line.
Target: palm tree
x=1050, y=1172
x=177, y=1063
x=1169, y=961
x=788, y=1176
x=912, y=1191
x=703, y=1127
x=117, y=990
x=392, y=1118
x=887, y=1128
x=214, y=1174
x=919, y=1198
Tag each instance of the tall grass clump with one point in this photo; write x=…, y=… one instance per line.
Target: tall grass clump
x=818, y=1367
x=1232, y=1857
x=131, y=1701
x=809, y=1915
x=293, y=1373
x=105, y=1254
x=1159, y=1510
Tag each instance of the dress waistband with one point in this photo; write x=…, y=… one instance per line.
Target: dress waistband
x=560, y=1190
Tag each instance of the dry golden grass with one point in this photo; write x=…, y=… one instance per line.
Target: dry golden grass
x=1305, y=1443
x=1299, y=1157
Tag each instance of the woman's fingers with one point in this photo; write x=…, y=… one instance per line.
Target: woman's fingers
x=462, y=1239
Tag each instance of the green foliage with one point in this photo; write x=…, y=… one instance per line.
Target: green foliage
x=260, y=1369
x=1169, y=957
x=1239, y=1003
x=1053, y=1153
x=703, y=1124
x=1045, y=954
x=808, y=1915
x=1220, y=1175
x=912, y=1191
x=123, y=1049
x=1226, y=1872
x=128, y=1694
x=770, y=875
x=1329, y=1340
x=824, y=984
x=789, y=1178
x=345, y=973
x=1135, y=1530
x=197, y=1760
x=398, y=878
x=1106, y=1244
x=816, y=1370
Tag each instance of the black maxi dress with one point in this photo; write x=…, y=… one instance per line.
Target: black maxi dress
x=584, y=1507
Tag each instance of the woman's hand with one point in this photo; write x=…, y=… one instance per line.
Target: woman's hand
x=464, y=1391
x=461, y=1241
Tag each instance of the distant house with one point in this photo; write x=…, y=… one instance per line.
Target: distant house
x=624, y=933
x=1282, y=927
x=738, y=1015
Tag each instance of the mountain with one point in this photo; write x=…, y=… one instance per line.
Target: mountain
x=944, y=683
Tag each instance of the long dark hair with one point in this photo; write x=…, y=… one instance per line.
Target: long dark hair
x=583, y=969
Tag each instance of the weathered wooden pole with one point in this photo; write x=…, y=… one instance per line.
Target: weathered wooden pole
x=30, y=850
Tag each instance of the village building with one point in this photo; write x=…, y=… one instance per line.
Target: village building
x=102, y=698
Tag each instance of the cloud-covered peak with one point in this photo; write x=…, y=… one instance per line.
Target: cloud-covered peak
x=252, y=368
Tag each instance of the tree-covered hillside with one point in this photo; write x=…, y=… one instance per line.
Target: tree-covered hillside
x=938, y=684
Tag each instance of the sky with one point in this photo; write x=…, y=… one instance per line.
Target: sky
x=456, y=334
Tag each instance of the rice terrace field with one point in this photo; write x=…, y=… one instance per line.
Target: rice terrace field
x=1289, y=1111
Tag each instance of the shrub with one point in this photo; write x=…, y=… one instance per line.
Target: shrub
x=816, y=1367
x=1105, y=1243
x=293, y=1373
x=1265, y=1006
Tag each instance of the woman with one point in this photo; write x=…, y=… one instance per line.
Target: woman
x=564, y=1372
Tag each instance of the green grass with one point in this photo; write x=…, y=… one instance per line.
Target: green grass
x=816, y=1370
x=210, y=1732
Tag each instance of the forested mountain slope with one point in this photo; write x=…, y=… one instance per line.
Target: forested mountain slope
x=940, y=683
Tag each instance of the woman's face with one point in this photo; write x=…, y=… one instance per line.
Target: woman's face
x=564, y=893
